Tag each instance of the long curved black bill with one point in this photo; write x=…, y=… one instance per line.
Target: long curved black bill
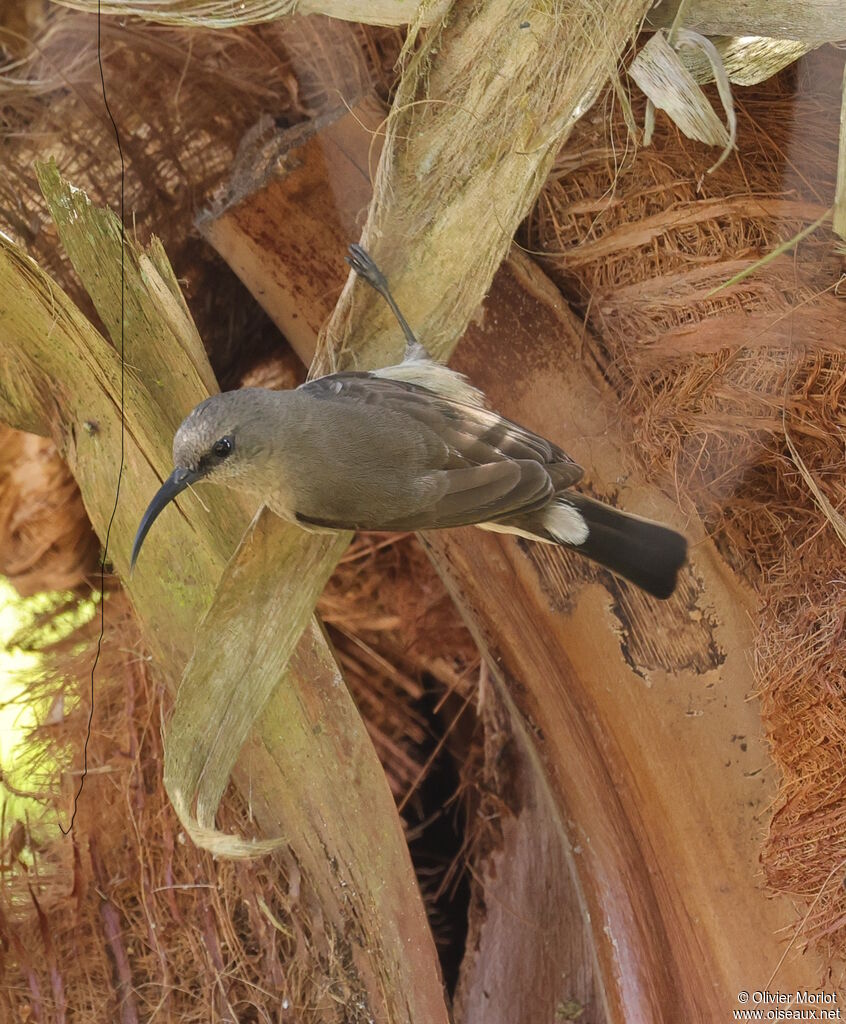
x=175, y=483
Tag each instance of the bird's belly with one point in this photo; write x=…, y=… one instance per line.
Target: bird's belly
x=364, y=473
x=359, y=495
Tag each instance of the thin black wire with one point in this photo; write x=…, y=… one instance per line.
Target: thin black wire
x=69, y=829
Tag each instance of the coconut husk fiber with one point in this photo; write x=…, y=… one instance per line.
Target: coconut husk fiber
x=391, y=622
x=720, y=383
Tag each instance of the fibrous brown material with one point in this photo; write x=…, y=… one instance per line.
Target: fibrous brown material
x=391, y=622
x=716, y=380
x=46, y=541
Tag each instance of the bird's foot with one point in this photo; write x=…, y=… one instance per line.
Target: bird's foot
x=362, y=263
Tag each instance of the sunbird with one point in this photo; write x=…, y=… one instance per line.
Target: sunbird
x=406, y=447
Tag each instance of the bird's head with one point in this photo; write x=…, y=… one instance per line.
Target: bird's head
x=218, y=441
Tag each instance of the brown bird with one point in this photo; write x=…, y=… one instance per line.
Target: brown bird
x=407, y=447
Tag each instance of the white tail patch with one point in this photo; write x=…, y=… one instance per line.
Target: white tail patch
x=565, y=522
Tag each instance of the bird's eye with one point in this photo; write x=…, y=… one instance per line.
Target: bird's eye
x=222, y=447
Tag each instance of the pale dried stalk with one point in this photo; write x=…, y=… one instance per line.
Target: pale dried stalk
x=812, y=21
x=226, y=14
x=662, y=76
x=747, y=59
x=482, y=109
x=244, y=643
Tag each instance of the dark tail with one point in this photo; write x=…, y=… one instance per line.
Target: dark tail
x=645, y=553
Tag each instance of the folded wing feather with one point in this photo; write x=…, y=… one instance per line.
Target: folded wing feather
x=492, y=467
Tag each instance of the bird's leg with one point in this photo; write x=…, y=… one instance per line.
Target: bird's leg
x=362, y=263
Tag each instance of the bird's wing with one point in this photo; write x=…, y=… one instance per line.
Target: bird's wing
x=476, y=435
x=489, y=467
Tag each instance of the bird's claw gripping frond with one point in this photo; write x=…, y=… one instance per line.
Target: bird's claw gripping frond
x=363, y=264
